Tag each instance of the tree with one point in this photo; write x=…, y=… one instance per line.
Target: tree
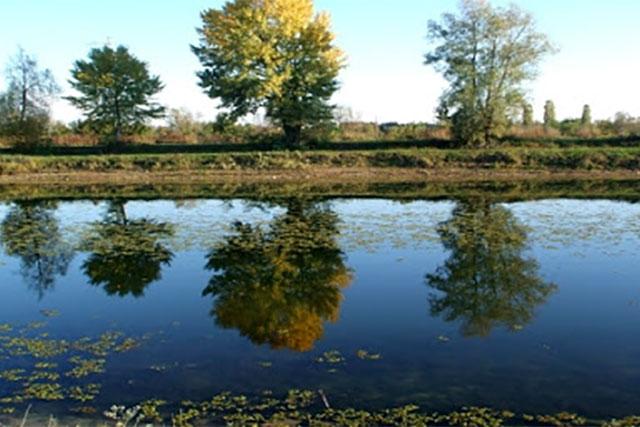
x=117, y=91
x=486, y=54
x=272, y=55
x=24, y=107
x=31, y=232
x=279, y=286
x=126, y=255
x=487, y=280
x=527, y=114
x=550, y=114
x=586, y=116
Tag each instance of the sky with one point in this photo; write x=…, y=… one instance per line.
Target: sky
x=598, y=62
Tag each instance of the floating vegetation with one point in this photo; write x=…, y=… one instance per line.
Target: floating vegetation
x=45, y=365
x=331, y=357
x=265, y=364
x=38, y=348
x=84, y=394
x=85, y=367
x=305, y=407
x=127, y=345
x=43, y=375
x=13, y=375
x=36, y=325
x=364, y=354
x=50, y=313
x=149, y=410
x=84, y=410
x=74, y=360
x=43, y=392
x=443, y=339
x=123, y=415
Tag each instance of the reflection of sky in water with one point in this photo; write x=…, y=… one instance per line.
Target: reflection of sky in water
x=579, y=353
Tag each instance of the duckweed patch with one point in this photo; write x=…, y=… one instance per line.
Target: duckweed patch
x=66, y=363
x=365, y=355
x=331, y=357
x=305, y=408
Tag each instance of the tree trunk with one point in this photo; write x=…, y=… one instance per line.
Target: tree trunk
x=23, y=107
x=292, y=135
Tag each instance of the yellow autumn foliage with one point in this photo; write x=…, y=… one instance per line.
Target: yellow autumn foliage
x=276, y=54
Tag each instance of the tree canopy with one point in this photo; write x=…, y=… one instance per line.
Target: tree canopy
x=116, y=91
x=270, y=54
x=24, y=106
x=486, y=54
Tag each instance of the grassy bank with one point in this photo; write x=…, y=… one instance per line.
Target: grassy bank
x=528, y=159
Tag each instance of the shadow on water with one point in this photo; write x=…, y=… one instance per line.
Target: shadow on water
x=126, y=255
x=279, y=285
x=31, y=232
x=488, y=279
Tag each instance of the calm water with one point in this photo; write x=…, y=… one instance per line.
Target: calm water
x=529, y=306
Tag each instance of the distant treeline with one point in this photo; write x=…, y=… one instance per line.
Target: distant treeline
x=183, y=127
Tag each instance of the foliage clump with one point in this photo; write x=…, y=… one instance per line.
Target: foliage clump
x=486, y=54
x=273, y=55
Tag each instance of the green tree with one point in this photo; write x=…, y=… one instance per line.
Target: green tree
x=550, y=114
x=126, y=255
x=279, y=286
x=486, y=54
x=527, y=114
x=116, y=91
x=24, y=107
x=273, y=55
x=31, y=232
x=586, y=116
x=487, y=280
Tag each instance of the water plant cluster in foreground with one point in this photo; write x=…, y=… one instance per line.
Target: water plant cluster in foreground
x=311, y=408
x=44, y=369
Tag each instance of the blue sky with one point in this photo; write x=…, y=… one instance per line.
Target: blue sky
x=598, y=62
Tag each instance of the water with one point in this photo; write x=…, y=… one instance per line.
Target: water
x=531, y=306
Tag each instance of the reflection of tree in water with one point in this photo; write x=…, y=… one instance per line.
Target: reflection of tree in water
x=30, y=231
x=279, y=286
x=126, y=255
x=487, y=281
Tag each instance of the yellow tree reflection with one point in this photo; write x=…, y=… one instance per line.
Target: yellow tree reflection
x=278, y=286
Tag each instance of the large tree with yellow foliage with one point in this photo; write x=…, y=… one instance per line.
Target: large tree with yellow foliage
x=272, y=54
